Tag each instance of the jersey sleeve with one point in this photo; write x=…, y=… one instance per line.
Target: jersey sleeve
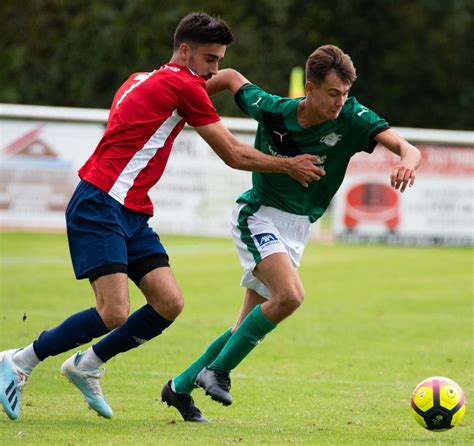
x=196, y=106
x=254, y=101
x=367, y=125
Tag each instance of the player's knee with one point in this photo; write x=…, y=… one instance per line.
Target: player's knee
x=176, y=305
x=114, y=317
x=169, y=306
x=290, y=301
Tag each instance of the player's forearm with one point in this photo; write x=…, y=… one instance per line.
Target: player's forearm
x=247, y=158
x=241, y=156
x=409, y=155
x=302, y=168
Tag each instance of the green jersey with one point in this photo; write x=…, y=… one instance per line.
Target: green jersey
x=280, y=134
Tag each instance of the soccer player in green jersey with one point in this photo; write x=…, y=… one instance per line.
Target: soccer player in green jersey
x=271, y=222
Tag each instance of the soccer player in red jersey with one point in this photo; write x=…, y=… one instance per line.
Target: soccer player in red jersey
x=109, y=237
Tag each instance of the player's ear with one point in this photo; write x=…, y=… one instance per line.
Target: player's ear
x=308, y=88
x=184, y=50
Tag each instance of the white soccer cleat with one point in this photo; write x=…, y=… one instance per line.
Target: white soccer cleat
x=87, y=381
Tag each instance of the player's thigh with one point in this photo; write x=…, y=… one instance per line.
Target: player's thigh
x=280, y=276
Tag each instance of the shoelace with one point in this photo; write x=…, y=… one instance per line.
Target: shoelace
x=22, y=377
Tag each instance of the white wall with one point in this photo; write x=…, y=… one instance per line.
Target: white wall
x=41, y=149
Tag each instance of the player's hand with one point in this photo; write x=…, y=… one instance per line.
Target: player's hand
x=402, y=176
x=303, y=169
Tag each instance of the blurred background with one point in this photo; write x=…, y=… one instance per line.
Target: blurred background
x=414, y=61
x=414, y=58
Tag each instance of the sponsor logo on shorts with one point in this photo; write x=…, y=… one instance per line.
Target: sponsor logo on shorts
x=266, y=239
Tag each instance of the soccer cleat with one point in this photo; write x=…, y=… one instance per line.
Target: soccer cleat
x=87, y=381
x=216, y=384
x=12, y=381
x=184, y=403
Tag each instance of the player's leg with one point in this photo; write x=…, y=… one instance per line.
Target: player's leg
x=165, y=302
x=84, y=369
x=150, y=271
x=212, y=377
x=16, y=365
x=87, y=246
x=278, y=274
x=80, y=328
x=185, y=382
x=177, y=392
x=286, y=288
x=270, y=272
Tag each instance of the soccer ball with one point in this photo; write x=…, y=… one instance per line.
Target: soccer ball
x=438, y=404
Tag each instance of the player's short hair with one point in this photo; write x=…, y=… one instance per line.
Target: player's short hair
x=202, y=29
x=327, y=58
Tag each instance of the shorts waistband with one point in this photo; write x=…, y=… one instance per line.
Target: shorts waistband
x=285, y=216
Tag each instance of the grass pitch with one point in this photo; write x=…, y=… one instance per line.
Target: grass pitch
x=376, y=321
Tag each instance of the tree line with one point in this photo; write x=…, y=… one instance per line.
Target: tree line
x=413, y=58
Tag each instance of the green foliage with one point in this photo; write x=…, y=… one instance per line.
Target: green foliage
x=413, y=57
x=376, y=321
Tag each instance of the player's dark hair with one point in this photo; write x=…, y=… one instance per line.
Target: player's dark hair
x=201, y=28
x=327, y=58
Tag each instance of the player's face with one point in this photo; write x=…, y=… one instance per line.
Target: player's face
x=204, y=59
x=327, y=98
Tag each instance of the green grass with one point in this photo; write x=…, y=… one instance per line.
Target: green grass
x=376, y=321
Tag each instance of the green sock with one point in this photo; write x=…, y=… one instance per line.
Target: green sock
x=184, y=382
x=250, y=332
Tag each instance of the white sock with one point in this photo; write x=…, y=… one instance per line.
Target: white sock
x=26, y=358
x=89, y=360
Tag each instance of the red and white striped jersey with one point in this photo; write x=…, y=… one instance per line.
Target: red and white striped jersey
x=148, y=112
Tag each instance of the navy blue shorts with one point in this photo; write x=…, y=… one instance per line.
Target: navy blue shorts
x=105, y=237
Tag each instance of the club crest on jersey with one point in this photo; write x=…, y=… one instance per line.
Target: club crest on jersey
x=266, y=239
x=331, y=140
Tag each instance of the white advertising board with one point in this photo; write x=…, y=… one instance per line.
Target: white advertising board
x=41, y=149
x=38, y=173
x=439, y=209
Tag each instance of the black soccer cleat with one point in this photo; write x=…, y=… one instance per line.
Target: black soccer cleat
x=216, y=384
x=184, y=403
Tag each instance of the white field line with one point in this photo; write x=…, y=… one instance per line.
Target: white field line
x=33, y=260
x=57, y=260
x=284, y=379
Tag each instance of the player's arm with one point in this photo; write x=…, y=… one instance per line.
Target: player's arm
x=243, y=157
x=227, y=79
x=404, y=173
